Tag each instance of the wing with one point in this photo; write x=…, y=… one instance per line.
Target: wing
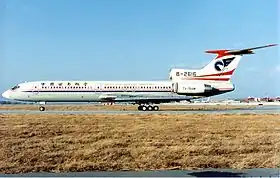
x=144, y=100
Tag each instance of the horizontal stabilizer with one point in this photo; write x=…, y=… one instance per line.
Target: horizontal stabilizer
x=225, y=52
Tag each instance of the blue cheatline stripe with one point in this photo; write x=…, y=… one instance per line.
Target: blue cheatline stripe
x=41, y=91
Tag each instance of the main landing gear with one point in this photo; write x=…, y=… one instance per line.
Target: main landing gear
x=148, y=108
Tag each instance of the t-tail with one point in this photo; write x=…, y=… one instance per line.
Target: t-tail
x=221, y=68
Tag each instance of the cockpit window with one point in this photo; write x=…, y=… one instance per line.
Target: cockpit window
x=15, y=87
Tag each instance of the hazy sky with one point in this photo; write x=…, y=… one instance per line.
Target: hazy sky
x=136, y=40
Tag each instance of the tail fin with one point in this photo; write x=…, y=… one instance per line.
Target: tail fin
x=220, y=68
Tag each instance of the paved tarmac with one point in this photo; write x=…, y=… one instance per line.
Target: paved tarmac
x=257, y=110
x=263, y=172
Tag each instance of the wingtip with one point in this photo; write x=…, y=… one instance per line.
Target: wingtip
x=270, y=45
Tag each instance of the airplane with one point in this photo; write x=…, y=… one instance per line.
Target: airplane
x=183, y=85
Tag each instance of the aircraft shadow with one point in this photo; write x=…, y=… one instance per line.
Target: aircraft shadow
x=216, y=174
x=204, y=109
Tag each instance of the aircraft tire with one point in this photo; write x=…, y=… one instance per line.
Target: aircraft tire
x=150, y=108
x=42, y=108
x=155, y=108
x=140, y=108
x=144, y=108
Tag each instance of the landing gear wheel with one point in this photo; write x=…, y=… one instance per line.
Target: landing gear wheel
x=140, y=108
x=155, y=108
x=144, y=108
x=42, y=108
x=150, y=108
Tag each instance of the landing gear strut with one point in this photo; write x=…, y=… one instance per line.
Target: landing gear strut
x=148, y=108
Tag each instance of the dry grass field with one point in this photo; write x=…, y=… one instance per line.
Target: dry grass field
x=90, y=107
x=58, y=143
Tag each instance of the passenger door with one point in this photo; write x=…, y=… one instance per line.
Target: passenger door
x=36, y=88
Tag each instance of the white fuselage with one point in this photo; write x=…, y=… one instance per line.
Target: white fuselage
x=86, y=90
x=90, y=91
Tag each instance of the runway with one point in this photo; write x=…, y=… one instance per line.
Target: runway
x=260, y=172
x=257, y=110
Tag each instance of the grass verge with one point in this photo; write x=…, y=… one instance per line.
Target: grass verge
x=58, y=143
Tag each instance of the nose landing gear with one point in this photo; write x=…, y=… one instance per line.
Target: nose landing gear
x=42, y=108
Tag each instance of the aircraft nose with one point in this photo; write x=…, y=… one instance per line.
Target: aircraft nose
x=6, y=94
